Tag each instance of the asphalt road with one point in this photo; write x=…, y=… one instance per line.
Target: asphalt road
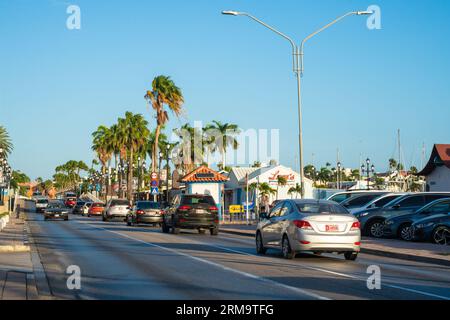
x=121, y=262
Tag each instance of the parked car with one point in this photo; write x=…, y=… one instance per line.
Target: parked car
x=78, y=208
x=342, y=196
x=309, y=225
x=85, y=208
x=358, y=201
x=434, y=228
x=56, y=210
x=96, y=209
x=41, y=204
x=379, y=202
x=191, y=211
x=400, y=226
x=149, y=212
x=70, y=202
x=116, y=208
x=372, y=220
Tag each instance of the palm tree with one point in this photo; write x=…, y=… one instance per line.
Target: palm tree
x=5, y=143
x=281, y=181
x=189, y=137
x=164, y=92
x=227, y=133
x=135, y=136
x=297, y=190
x=101, y=144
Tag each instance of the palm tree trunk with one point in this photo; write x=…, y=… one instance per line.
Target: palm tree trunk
x=130, y=176
x=155, y=147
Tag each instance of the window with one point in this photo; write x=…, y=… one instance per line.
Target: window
x=431, y=197
x=414, y=201
x=359, y=201
x=440, y=208
x=287, y=209
x=189, y=200
x=381, y=202
x=340, y=197
x=320, y=208
x=120, y=203
x=147, y=205
x=275, y=212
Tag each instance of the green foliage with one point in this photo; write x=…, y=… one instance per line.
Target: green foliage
x=5, y=142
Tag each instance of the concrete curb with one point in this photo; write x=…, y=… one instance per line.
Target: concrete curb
x=40, y=277
x=375, y=252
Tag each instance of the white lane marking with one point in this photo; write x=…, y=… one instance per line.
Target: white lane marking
x=249, y=275
x=303, y=266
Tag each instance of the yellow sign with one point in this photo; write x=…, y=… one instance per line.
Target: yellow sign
x=236, y=208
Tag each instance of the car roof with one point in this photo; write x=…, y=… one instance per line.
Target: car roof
x=310, y=201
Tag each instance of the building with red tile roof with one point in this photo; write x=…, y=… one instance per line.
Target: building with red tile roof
x=437, y=169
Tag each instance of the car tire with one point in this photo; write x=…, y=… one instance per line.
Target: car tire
x=441, y=235
x=351, y=255
x=45, y=218
x=260, y=249
x=165, y=228
x=375, y=229
x=201, y=231
x=404, y=232
x=286, y=249
x=129, y=223
x=104, y=219
x=175, y=230
x=214, y=231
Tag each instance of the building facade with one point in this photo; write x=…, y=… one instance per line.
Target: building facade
x=437, y=170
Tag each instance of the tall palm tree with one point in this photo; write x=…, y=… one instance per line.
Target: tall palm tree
x=188, y=137
x=5, y=142
x=164, y=92
x=135, y=135
x=101, y=144
x=227, y=133
x=295, y=190
x=281, y=181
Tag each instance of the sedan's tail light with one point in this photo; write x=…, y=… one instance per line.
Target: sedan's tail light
x=161, y=212
x=184, y=208
x=213, y=208
x=302, y=224
x=140, y=212
x=356, y=226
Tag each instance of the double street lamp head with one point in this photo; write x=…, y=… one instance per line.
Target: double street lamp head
x=231, y=13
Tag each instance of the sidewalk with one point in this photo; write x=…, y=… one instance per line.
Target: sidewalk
x=416, y=251
x=16, y=268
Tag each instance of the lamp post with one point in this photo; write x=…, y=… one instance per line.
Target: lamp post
x=167, y=171
x=367, y=168
x=161, y=155
x=339, y=175
x=139, y=176
x=297, y=60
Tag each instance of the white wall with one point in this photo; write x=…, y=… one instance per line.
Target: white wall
x=206, y=188
x=439, y=179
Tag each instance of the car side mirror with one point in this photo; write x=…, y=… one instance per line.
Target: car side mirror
x=397, y=206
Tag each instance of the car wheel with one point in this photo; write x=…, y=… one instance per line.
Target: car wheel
x=288, y=253
x=201, y=231
x=104, y=219
x=351, y=255
x=441, y=235
x=165, y=228
x=175, y=230
x=129, y=222
x=214, y=231
x=260, y=249
x=404, y=232
x=317, y=253
x=375, y=229
x=45, y=218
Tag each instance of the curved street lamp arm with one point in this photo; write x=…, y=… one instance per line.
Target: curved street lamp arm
x=319, y=31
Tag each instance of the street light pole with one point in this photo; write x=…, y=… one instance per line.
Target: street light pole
x=297, y=60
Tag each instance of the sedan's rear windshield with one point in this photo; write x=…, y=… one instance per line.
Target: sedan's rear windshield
x=148, y=205
x=187, y=200
x=319, y=208
x=42, y=201
x=101, y=205
x=80, y=203
x=120, y=203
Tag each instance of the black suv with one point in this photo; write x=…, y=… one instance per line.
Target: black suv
x=191, y=211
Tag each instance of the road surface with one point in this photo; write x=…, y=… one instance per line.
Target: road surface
x=122, y=262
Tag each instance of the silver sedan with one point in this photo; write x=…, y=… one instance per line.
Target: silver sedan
x=309, y=225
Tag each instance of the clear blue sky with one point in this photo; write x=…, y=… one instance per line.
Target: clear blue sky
x=57, y=85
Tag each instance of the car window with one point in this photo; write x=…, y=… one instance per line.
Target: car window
x=190, y=200
x=414, y=201
x=431, y=197
x=100, y=205
x=275, y=212
x=285, y=210
x=147, y=205
x=321, y=208
x=120, y=203
x=383, y=201
x=42, y=201
x=360, y=200
x=439, y=208
x=340, y=197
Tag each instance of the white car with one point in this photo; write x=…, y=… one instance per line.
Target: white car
x=116, y=208
x=41, y=204
x=309, y=225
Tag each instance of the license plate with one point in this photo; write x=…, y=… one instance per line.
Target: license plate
x=199, y=211
x=331, y=228
x=56, y=215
